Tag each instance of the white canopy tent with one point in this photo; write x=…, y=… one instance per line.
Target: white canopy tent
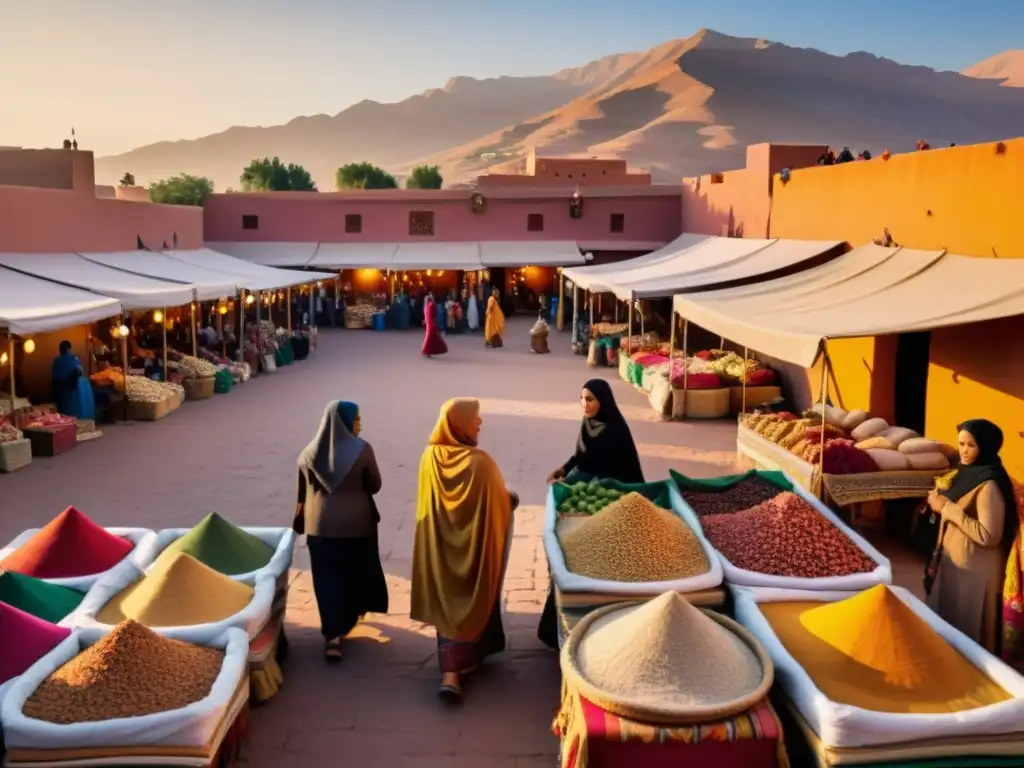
x=595, y=278
x=537, y=253
x=354, y=255
x=719, y=262
x=33, y=305
x=412, y=256
x=69, y=269
x=871, y=291
x=253, y=277
x=269, y=254
x=208, y=284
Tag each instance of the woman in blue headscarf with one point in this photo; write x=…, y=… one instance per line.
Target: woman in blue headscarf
x=338, y=478
x=72, y=392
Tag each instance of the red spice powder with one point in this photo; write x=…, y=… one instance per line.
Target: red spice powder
x=70, y=545
x=24, y=639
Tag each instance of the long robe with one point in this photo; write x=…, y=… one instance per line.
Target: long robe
x=494, y=324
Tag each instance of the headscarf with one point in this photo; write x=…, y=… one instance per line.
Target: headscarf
x=331, y=455
x=987, y=466
x=463, y=513
x=605, y=447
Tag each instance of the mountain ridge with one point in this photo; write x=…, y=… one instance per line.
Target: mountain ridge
x=687, y=106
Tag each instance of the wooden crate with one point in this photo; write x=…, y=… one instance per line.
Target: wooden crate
x=52, y=441
x=15, y=454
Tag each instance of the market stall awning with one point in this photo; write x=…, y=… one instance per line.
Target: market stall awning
x=269, y=254
x=208, y=284
x=70, y=269
x=33, y=305
x=870, y=291
x=412, y=256
x=253, y=277
x=721, y=262
x=595, y=278
x=529, y=253
x=354, y=255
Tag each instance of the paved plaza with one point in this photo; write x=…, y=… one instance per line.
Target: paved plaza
x=236, y=455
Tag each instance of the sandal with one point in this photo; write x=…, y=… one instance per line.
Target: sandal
x=450, y=693
x=332, y=651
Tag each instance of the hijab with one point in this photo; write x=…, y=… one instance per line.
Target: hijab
x=987, y=466
x=605, y=447
x=463, y=521
x=334, y=450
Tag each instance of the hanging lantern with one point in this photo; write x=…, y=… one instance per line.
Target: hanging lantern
x=478, y=202
x=3, y=358
x=576, y=205
x=250, y=300
x=29, y=346
x=222, y=309
x=122, y=331
x=158, y=316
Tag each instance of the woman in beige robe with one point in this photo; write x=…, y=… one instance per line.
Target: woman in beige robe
x=978, y=525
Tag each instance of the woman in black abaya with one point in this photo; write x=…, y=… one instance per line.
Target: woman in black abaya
x=604, y=450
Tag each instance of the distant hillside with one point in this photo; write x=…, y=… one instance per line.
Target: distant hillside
x=685, y=107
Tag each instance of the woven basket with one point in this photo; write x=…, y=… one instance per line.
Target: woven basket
x=199, y=389
x=756, y=396
x=150, y=411
x=573, y=677
x=707, y=403
x=15, y=454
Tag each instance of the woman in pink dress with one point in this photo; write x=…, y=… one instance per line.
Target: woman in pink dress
x=433, y=344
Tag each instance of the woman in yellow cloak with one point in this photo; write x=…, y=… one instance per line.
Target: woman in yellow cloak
x=463, y=533
x=494, y=321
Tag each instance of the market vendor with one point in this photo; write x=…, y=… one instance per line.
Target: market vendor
x=605, y=450
x=72, y=392
x=965, y=577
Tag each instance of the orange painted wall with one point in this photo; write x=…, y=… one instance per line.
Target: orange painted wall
x=968, y=200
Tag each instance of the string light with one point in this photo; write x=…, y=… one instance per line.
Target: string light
x=29, y=346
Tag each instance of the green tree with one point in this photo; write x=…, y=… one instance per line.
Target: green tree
x=184, y=189
x=128, y=180
x=271, y=175
x=424, y=177
x=363, y=176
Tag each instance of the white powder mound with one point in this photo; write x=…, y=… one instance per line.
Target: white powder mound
x=667, y=654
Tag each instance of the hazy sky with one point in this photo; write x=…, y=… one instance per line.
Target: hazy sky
x=131, y=72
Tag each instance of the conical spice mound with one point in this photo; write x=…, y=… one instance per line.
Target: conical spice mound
x=222, y=545
x=49, y=602
x=24, y=639
x=130, y=672
x=874, y=652
x=667, y=654
x=634, y=540
x=182, y=592
x=69, y=546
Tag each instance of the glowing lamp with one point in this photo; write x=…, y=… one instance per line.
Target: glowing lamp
x=29, y=346
x=430, y=273
x=122, y=331
x=158, y=316
x=222, y=309
x=249, y=300
x=3, y=358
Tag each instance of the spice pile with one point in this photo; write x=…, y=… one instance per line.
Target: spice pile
x=785, y=536
x=872, y=651
x=24, y=639
x=635, y=541
x=192, y=367
x=139, y=389
x=748, y=492
x=8, y=432
x=221, y=545
x=69, y=546
x=667, y=654
x=46, y=601
x=131, y=672
x=181, y=592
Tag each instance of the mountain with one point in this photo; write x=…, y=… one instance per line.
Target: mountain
x=1007, y=66
x=686, y=107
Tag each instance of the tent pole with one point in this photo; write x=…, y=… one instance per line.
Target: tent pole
x=743, y=405
x=686, y=367
x=575, y=311
x=288, y=298
x=629, y=330
x=163, y=325
x=820, y=480
x=241, y=326
x=591, y=295
x=833, y=379
x=192, y=314
x=10, y=370
x=560, y=320
x=124, y=363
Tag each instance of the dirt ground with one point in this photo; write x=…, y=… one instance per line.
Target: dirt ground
x=235, y=455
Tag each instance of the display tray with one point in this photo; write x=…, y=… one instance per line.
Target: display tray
x=15, y=454
x=52, y=441
x=199, y=389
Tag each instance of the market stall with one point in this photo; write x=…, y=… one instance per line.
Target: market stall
x=270, y=254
